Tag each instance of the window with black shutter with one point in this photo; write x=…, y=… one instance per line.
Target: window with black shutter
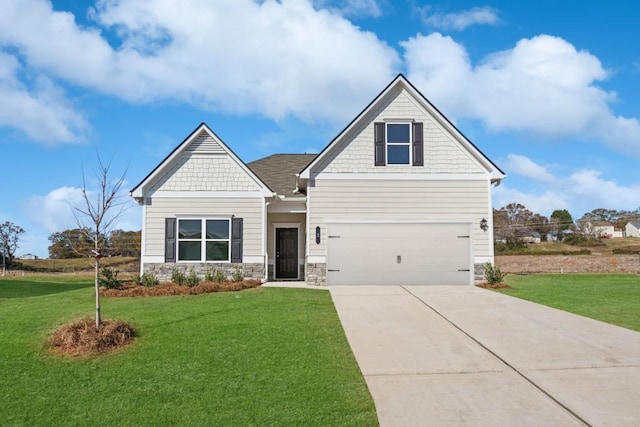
x=202, y=239
x=397, y=143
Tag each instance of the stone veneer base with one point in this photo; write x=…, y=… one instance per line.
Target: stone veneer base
x=163, y=270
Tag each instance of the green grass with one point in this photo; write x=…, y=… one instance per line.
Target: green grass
x=257, y=357
x=611, y=298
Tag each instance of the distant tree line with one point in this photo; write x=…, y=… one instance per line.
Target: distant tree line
x=513, y=220
x=79, y=242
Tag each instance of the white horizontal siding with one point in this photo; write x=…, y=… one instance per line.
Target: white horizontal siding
x=424, y=201
x=250, y=209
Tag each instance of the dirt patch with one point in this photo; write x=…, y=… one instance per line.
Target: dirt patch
x=130, y=289
x=81, y=338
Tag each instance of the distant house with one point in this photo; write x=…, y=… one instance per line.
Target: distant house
x=28, y=256
x=632, y=229
x=529, y=237
x=554, y=236
x=602, y=230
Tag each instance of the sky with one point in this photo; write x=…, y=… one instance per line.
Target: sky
x=548, y=90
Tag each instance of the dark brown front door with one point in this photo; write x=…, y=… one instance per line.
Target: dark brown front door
x=286, y=253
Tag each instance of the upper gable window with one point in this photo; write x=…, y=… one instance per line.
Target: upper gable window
x=398, y=143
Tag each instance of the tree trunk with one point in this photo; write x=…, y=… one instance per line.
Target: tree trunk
x=97, y=285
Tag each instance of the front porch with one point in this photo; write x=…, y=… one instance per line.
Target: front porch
x=286, y=242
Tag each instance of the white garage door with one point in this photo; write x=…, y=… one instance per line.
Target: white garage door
x=398, y=254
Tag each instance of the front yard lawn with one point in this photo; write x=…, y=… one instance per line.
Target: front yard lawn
x=255, y=357
x=611, y=298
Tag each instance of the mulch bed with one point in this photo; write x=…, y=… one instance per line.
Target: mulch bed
x=130, y=289
x=493, y=286
x=81, y=338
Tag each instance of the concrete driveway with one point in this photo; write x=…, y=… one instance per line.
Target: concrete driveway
x=437, y=355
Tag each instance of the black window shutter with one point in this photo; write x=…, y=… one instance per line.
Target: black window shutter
x=236, y=240
x=378, y=130
x=418, y=145
x=169, y=240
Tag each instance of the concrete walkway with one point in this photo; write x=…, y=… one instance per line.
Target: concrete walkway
x=438, y=356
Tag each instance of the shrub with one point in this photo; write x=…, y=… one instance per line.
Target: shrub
x=109, y=278
x=510, y=248
x=630, y=250
x=492, y=274
x=237, y=276
x=192, y=278
x=218, y=276
x=582, y=240
x=148, y=280
x=178, y=277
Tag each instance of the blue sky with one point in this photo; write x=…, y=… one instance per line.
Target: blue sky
x=547, y=89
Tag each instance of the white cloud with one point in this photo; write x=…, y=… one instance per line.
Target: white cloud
x=274, y=59
x=526, y=167
x=53, y=211
x=543, y=85
x=579, y=191
x=460, y=20
x=355, y=8
x=41, y=112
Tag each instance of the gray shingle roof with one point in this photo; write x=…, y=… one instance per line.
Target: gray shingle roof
x=279, y=171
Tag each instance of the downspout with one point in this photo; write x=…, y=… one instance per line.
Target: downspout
x=297, y=189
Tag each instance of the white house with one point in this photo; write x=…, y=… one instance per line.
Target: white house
x=632, y=229
x=400, y=196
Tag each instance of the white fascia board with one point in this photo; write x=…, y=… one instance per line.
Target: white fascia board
x=177, y=153
x=206, y=194
x=450, y=129
x=279, y=208
x=402, y=176
x=305, y=174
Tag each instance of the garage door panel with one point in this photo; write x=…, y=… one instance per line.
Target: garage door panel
x=407, y=254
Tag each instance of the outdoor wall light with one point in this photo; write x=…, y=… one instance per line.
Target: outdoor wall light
x=484, y=225
x=318, y=235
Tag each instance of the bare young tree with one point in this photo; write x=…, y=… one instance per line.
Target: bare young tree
x=97, y=213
